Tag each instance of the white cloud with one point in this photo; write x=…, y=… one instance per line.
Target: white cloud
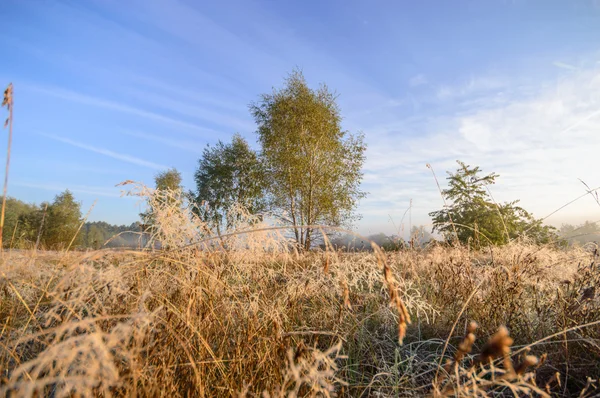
x=540, y=142
x=111, y=154
x=417, y=80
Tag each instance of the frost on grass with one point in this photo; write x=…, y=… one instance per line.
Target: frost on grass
x=205, y=316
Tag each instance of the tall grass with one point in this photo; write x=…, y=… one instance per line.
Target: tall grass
x=245, y=316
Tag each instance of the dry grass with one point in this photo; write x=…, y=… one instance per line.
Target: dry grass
x=244, y=316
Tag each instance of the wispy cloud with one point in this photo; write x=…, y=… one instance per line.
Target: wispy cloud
x=417, y=80
x=115, y=106
x=57, y=187
x=474, y=86
x=581, y=121
x=174, y=143
x=563, y=65
x=195, y=111
x=222, y=100
x=106, y=152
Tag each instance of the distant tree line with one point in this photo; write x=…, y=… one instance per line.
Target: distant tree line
x=99, y=234
x=588, y=232
x=56, y=225
x=418, y=238
x=50, y=226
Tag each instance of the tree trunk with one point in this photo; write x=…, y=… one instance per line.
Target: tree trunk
x=293, y=207
x=308, y=239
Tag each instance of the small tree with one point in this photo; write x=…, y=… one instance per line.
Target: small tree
x=314, y=167
x=474, y=218
x=168, y=180
x=229, y=174
x=62, y=222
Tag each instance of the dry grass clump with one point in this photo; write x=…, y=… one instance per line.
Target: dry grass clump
x=482, y=377
x=245, y=316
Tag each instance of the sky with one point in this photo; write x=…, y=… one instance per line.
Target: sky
x=110, y=90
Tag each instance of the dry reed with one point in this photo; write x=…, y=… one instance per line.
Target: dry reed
x=245, y=316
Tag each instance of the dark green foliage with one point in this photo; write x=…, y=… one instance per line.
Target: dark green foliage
x=313, y=166
x=63, y=219
x=32, y=224
x=23, y=227
x=229, y=174
x=54, y=225
x=19, y=223
x=474, y=218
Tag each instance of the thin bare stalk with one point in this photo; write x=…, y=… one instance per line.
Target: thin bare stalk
x=81, y=225
x=499, y=214
x=8, y=102
x=12, y=238
x=430, y=167
x=464, y=307
x=39, y=237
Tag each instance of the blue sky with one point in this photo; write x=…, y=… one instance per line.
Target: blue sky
x=112, y=90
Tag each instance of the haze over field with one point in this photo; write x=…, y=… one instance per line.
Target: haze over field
x=108, y=90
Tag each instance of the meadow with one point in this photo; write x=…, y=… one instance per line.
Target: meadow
x=246, y=316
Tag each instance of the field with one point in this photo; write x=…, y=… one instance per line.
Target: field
x=247, y=316
x=259, y=320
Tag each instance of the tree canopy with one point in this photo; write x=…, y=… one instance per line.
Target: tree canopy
x=18, y=223
x=62, y=221
x=473, y=217
x=313, y=166
x=51, y=225
x=168, y=180
x=229, y=174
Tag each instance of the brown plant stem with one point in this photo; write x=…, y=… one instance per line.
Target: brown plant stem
x=8, y=102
